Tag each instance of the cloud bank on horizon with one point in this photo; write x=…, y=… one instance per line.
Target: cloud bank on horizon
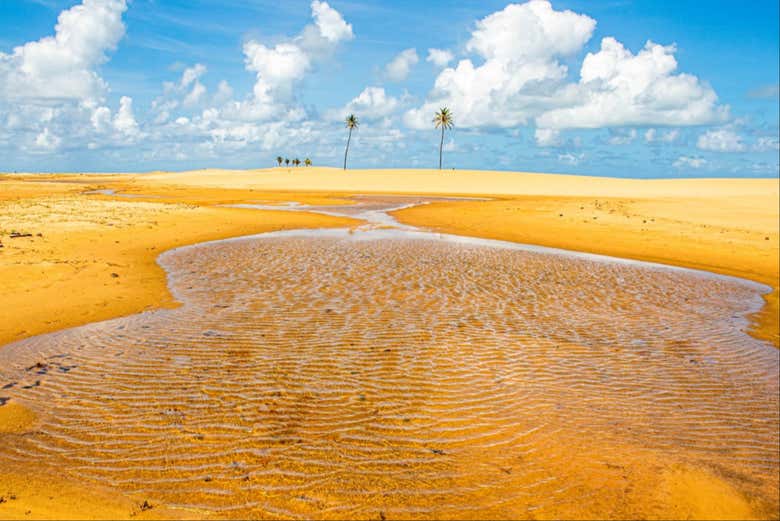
x=531, y=87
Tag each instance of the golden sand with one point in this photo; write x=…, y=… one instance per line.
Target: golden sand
x=726, y=226
x=92, y=257
x=360, y=379
x=732, y=234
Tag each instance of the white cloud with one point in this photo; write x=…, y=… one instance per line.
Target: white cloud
x=547, y=137
x=371, y=104
x=47, y=141
x=52, y=84
x=571, y=159
x=618, y=88
x=101, y=119
x=519, y=47
x=224, y=93
x=277, y=68
x=192, y=74
x=281, y=67
x=520, y=77
x=721, y=140
x=669, y=136
x=622, y=137
x=63, y=66
x=124, y=120
x=330, y=22
x=764, y=144
x=689, y=162
x=195, y=95
x=439, y=57
x=399, y=67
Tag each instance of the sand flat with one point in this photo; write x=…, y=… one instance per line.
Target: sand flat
x=728, y=226
x=470, y=379
x=95, y=257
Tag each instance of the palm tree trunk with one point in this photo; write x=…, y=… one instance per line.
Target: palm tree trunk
x=347, y=149
x=441, y=144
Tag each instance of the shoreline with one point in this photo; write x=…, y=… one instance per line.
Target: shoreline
x=161, y=217
x=124, y=506
x=526, y=219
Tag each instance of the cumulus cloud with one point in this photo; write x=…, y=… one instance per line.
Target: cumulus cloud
x=721, y=140
x=63, y=66
x=279, y=68
x=521, y=78
x=124, y=121
x=622, y=137
x=330, y=23
x=689, y=162
x=439, y=57
x=47, y=141
x=619, y=88
x=401, y=65
x=371, y=104
x=52, y=84
x=547, y=137
x=653, y=136
x=519, y=48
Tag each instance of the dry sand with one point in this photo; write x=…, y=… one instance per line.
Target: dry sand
x=95, y=256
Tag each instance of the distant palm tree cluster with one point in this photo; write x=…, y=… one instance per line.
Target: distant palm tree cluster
x=442, y=119
x=295, y=162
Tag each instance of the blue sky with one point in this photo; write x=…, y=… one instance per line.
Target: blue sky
x=566, y=86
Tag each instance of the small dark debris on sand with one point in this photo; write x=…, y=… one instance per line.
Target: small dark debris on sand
x=115, y=275
x=438, y=452
x=18, y=235
x=146, y=506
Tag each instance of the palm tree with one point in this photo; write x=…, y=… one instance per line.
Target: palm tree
x=296, y=161
x=352, y=123
x=287, y=161
x=443, y=119
x=279, y=160
x=307, y=162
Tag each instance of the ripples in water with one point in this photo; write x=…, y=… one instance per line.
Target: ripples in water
x=389, y=373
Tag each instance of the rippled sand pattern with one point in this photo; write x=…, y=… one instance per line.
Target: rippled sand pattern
x=327, y=376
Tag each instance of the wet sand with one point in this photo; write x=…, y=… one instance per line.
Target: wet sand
x=692, y=482
x=403, y=374
x=100, y=251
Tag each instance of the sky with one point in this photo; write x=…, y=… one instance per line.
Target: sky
x=624, y=88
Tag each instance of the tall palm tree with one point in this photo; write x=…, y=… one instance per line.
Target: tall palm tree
x=443, y=119
x=307, y=162
x=352, y=123
x=296, y=161
x=279, y=160
x=287, y=161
